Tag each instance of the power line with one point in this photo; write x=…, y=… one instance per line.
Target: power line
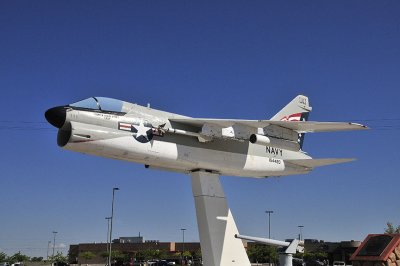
x=24, y=125
x=376, y=124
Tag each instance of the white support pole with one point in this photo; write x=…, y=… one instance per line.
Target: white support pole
x=217, y=228
x=285, y=259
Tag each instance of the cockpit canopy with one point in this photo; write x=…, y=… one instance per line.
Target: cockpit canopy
x=101, y=104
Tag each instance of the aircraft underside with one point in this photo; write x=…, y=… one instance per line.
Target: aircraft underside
x=182, y=158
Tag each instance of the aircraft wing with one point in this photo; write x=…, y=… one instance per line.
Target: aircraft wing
x=298, y=126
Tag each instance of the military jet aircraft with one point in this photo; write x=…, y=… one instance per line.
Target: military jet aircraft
x=202, y=147
x=250, y=148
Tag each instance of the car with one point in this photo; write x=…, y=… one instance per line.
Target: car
x=314, y=263
x=298, y=262
x=339, y=263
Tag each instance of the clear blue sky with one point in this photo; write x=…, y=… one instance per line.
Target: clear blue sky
x=224, y=59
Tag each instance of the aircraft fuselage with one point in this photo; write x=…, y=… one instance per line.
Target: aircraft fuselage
x=112, y=135
x=158, y=139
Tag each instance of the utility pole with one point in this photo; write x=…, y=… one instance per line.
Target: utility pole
x=269, y=223
x=48, y=246
x=183, y=243
x=54, y=242
x=108, y=232
x=301, y=231
x=111, y=226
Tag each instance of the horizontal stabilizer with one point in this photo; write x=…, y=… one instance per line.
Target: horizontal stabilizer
x=311, y=163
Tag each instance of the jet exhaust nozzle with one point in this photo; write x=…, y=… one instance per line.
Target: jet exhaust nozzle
x=271, y=141
x=73, y=132
x=260, y=139
x=64, y=135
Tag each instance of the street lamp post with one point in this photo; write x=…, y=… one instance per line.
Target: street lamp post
x=54, y=242
x=111, y=225
x=301, y=231
x=269, y=223
x=48, y=246
x=108, y=231
x=183, y=243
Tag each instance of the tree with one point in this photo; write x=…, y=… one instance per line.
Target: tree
x=176, y=255
x=197, y=254
x=150, y=254
x=391, y=229
x=3, y=256
x=187, y=254
x=120, y=258
x=125, y=257
x=262, y=253
x=117, y=255
x=87, y=255
x=104, y=254
x=59, y=257
x=160, y=254
x=315, y=256
x=18, y=257
x=37, y=259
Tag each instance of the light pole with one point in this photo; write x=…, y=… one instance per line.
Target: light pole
x=269, y=223
x=108, y=230
x=54, y=241
x=111, y=226
x=48, y=246
x=301, y=231
x=183, y=243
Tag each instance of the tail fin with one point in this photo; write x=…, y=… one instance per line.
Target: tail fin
x=297, y=110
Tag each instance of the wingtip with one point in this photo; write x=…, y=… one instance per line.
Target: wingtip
x=360, y=126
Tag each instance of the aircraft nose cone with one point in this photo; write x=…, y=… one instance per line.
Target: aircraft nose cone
x=56, y=116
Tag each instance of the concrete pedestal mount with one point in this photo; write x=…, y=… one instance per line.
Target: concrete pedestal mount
x=217, y=228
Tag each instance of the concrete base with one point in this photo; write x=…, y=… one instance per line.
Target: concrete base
x=285, y=259
x=217, y=228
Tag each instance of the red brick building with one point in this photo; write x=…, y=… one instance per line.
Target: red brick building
x=100, y=251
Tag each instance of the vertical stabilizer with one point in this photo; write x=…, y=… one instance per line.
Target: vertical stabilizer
x=217, y=229
x=297, y=110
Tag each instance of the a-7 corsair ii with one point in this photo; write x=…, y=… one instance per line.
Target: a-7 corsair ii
x=203, y=148
x=250, y=148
